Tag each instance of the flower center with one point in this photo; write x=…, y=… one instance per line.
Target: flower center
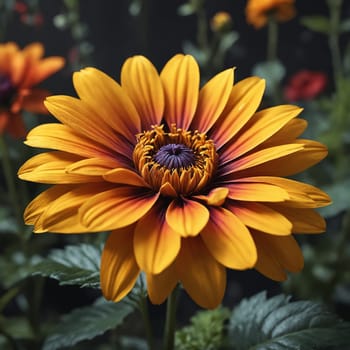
x=7, y=91
x=175, y=156
x=186, y=160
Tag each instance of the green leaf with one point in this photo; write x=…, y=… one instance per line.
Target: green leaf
x=74, y=265
x=186, y=10
x=317, y=23
x=259, y=323
x=345, y=26
x=204, y=332
x=273, y=72
x=87, y=323
x=341, y=198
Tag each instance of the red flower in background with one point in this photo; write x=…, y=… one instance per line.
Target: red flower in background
x=305, y=85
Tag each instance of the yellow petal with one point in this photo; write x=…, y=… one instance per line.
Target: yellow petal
x=256, y=192
x=291, y=163
x=260, y=127
x=156, y=245
x=161, y=285
x=229, y=240
x=242, y=103
x=51, y=168
x=62, y=215
x=301, y=195
x=63, y=138
x=260, y=157
x=126, y=177
x=119, y=269
x=261, y=217
x=107, y=98
x=187, y=217
x=203, y=278
x=140, y=79
x=180, y=78
x=216, y=196
x=80, y=117
x=304, y=220
x=116, y=208
x=283, y=251
x=95, y=166
x=212, y=100
x=40, y=203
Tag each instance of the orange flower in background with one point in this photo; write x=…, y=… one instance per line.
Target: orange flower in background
x=188, y=179
x=258, y=11
x=20, y=71
x=221, y=22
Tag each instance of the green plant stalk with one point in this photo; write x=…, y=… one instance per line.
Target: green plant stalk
x=146, y=321
x=10, y=181
x=170, y=321
x=333, y=38
x=272, y=39
x=202, y=28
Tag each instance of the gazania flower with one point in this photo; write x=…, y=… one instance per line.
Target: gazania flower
x=305, y=85
x=188, y=180
x=20, y=71
x=258, y=11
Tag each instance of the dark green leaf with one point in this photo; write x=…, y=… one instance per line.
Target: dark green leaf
x=345, y=26
x=319, y=24
x=277, y=324
x=86, y=323
x=77, y=265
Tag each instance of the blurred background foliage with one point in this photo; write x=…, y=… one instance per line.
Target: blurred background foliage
x=305, y=61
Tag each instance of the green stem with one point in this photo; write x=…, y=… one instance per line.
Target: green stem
x=169, y=333
x=272, y=39
x=10, y=177
x=333, y=38
x=202, y=28
x=147, y=323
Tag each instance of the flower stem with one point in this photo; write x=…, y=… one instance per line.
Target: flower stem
x=272, y=39
x=10, y=181
x=169, y=333
x=146, y=321
x=333, y=38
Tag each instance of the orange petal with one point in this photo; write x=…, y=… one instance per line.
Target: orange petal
x=156, y=245
x=261, y=217
x=39, y=204
x=140, y=79
x=187, y=217
x=216, y=196
x=229, y=240
x=212, y=100
x=267, y=264
x=260, y=127
x=284, y=250
x=288, y=134
x=180, y=78
x=203, y=278
x=116, y=208
x=300, y=194
x=310, y=153
x=161, y=285
x=259, y=157
x=256, y=192
x=304, y=220
x=94, y=166
x=63, y=138
x=51, y=168
x=34, y=101
x=126, y=177
x=119, y=269
x=45, y=68
x=244, y=100
x=81, y=118
x=62, y=215
x=107, y=98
